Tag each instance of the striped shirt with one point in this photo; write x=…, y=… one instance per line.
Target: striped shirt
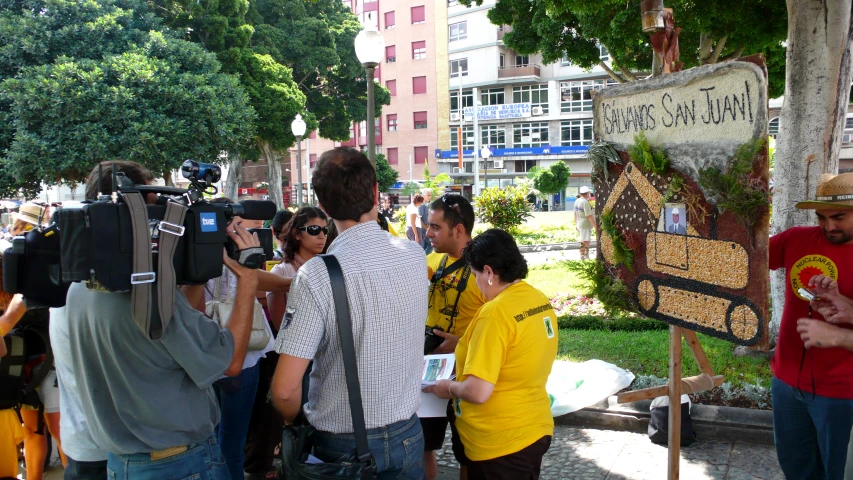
x=388, y=328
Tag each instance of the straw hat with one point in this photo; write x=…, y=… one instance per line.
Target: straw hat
x=30, y=213
x=833, y=192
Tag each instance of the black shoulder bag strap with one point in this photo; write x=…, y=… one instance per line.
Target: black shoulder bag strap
x=339, y=293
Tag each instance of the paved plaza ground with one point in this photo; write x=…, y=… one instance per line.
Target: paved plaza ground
x=579, y=453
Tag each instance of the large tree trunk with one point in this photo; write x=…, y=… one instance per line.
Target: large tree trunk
x=273, y=174
x=235, y=176
x=817, y=89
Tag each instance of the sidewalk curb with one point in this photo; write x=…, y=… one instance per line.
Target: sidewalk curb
x=710, y=422
x=553, y=247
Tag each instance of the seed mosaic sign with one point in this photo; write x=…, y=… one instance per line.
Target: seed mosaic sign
x=672, y=234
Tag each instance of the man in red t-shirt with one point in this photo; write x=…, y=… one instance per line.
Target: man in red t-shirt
x=813, y=387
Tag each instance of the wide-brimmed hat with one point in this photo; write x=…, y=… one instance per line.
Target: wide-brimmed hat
x=30, y=213
x=833, y=192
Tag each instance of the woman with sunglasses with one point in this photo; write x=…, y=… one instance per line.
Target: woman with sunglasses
x=303, y=238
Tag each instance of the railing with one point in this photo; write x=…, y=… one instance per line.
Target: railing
x=518, y=71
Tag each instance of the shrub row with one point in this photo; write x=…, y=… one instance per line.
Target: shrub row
x=618, y=324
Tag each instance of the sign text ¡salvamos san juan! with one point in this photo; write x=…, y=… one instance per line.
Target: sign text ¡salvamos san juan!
x=723, y=105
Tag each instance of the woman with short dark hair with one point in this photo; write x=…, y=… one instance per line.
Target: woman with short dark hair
x=502, y=411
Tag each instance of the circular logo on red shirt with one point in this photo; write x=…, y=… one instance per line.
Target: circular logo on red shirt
x=809, y=266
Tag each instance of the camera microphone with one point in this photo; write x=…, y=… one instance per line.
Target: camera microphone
x=254, y=209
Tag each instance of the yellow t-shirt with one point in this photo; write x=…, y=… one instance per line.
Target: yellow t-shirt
x=442, y=297
x=512, y=344
x=11, y=434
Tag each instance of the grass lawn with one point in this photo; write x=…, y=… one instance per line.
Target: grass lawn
x=643, y=353
x=647, y=353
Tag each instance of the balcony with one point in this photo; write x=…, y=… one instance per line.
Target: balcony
x=503, y=30
x=519, y=71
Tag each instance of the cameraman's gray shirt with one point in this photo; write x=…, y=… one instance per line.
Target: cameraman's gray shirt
x=141, y=395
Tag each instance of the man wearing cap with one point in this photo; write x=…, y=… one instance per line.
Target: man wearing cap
x=29, y=216
x=585, y=220
x=676, y=226
x=812, y=384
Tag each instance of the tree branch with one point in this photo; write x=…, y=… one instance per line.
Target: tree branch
x=734, y=56
x=613, y=75
x=627, y=73
x=705, y=44
x=715, y=57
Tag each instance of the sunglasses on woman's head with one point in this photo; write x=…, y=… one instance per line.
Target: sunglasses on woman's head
x=314, y=230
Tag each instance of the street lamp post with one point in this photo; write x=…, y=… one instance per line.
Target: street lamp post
x=486, y=153
x=369, y=48
x=298, y=129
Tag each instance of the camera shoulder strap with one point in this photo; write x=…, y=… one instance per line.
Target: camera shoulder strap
x=171, y=229
x=143, y=269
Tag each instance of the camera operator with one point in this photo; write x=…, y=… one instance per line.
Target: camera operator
x=150, y=403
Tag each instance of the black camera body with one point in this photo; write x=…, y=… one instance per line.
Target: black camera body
x=96, y=242
x=431, y=340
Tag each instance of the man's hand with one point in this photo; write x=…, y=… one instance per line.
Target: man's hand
x=817, y=333
x=832, y=305
x=449, y=343
x=244, y=240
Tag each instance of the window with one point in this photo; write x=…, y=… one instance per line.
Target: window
x=418, y=50
x=452, y=3
x=390, y=20
x=467, y=136
x=603, y=54
x=392, y=122
x=421, y=155
x=458, y=31
x=564, y=62
x=522, y=60
x=577, y=96
x=467, y=100
x=418, y=15
x=391, y=85
x=391, y=156
x=492, y=96
x=773, y=127
x=312, y=159
x=391, y=54
x=459, y=67
x=494, y=136
x=502, y=60
x=576, y=132
x=420, y=120
x=526, y=135
x=536, y=95
x=419, y=85
x=848, y=123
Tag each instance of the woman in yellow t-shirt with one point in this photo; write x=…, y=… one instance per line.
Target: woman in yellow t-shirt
x=502, y=411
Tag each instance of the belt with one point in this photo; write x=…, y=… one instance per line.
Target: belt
x=168, y=452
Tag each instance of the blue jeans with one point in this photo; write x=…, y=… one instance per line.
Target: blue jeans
x=236, y=400
x=811, y=434
x=202, y=461
x=398, y=448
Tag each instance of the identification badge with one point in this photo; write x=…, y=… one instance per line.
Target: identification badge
x=549, y=327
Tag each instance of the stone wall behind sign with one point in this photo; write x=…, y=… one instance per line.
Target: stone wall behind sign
x=694, y=265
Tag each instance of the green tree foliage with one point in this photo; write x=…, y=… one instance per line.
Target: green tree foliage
x=712, y=31
x=386, y=176
x=552, y=180
x=86, y=81
x=504, y=208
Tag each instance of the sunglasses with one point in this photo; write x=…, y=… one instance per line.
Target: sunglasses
x=451, y=203
x=314, y=230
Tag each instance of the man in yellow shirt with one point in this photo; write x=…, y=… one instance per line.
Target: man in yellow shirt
x=454, y=298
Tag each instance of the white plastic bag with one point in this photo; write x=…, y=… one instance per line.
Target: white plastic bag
x=573, y=386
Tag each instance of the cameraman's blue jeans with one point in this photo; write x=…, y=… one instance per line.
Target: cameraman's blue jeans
x=236, y=400
x=202, y=461
x=398, y=448
x=811, y=433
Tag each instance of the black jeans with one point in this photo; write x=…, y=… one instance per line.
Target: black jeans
x=85, y=470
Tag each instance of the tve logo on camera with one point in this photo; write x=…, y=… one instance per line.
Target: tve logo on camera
x=208, y=221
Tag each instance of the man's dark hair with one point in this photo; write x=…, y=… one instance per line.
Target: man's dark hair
x=137, y=174
x=497, y=249
x=457, y=210
x=344, y=181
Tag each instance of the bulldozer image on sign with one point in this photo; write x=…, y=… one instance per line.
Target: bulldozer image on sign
x=693, y=269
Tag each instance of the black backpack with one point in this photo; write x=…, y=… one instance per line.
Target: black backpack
x=15, y=390
x=659, y=425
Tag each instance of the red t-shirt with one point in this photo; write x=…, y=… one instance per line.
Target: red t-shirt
x=805, y=252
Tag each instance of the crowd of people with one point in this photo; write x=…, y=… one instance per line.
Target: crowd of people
x=208, y=400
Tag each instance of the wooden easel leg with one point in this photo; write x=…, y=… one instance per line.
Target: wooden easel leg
x=674, y=401
x=698, y=352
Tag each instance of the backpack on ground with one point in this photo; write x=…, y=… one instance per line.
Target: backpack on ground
x=659, y=422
